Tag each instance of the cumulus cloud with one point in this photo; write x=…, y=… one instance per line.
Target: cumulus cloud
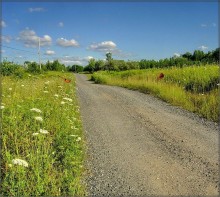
x=6, y=39
x=105, y=46
x=31, y=39
x=3, y=24
x=36, y=9
x=49, y=52
x=60, y=24
x=67, y=43
x=203, y=47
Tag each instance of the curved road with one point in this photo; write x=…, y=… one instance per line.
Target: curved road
x=140, y=145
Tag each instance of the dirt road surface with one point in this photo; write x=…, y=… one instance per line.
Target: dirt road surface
x=140, y=145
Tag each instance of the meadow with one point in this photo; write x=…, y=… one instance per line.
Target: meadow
x=194, y=88
x=42, y=140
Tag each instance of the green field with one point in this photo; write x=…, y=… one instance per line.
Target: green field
x=194, y=88
x=42, y=141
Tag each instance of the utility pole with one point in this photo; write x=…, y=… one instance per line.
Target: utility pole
x=39, y=53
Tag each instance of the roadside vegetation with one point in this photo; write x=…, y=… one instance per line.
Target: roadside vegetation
x=42, y=141
x=194, y=88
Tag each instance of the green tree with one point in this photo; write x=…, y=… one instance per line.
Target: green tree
x=109, y=61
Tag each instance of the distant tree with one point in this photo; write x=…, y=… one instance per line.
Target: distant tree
x=109, y=61
x=99, y=65
x=187, y=55
x=198, y=55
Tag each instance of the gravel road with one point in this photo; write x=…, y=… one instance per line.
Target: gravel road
x=140, y=145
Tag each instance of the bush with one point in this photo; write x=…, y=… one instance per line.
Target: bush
x=8, y=68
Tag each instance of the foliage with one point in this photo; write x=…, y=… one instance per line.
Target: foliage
x=194, y=88
x=51, y=145
x=75, y=68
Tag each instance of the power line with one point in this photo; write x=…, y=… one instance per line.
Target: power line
x=17, y=49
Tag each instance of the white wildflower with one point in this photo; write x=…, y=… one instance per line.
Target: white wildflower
x=36, y=110
x=60, y=86
x=68, y=99
x=38, y=118
x=218, y=84
x=73, y=127
x=56, y=95
x=2, y=107
x=74, y=135
x=78, y=139
x=44, y=131
x=45, y=91
x=10, y=89
x=62, y=102
x=20, y=162
x=35, y=134
x=22, y=85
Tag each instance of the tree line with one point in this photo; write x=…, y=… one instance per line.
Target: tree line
x=198, y=57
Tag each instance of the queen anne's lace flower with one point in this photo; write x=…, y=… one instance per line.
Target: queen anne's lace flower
x=36, y=110
x=38, y=118
x=20, y=162
x=44, y=131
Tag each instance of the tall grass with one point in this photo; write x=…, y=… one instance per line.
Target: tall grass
x=193, y=88
x=42, y=140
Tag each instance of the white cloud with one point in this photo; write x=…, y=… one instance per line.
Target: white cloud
x=67, y=43
x=203, y=47
x=105, y=46
x=3, y=24
x=48, y=52
x=203, y=25
x=36, y=9
x=213, y=24
x=31, y=39
x=67, y=60
x=60, y=24
x=6, y=39
x=176, y=55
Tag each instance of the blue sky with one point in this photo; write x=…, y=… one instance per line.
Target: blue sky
x=75, y=32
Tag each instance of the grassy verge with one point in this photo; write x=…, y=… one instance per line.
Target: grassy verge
x=42, y=140
x=193, y=88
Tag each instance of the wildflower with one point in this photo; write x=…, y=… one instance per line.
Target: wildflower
x=10, y=89
x=20, y=162
x=2, y=107
x=36, y=110
x=38, y=118
x=56, y=95
x=44, y=131
x=10, y=165
x=73, y=127
x=74, y=135
x=34, y=134
x=218, y=84
x=29, y=75
x=45, y=91
x=68, y=99
x=78, y=139
x=22, y=85
x=62, y=102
